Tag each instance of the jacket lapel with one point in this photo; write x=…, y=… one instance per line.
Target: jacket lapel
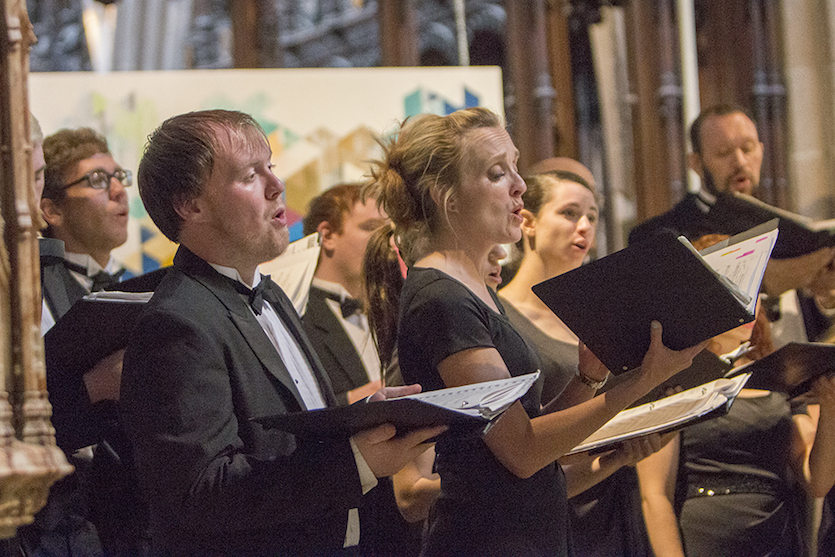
x=60, y=288
x=240, y=315
x=336, y=340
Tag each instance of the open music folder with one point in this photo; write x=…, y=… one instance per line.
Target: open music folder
x=94, y=327
x=799, y=235
x=673, y=412
x=610, y=303
x=793, y=368
x=466, y=409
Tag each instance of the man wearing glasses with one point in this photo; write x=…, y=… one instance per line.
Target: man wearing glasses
x=85, y=206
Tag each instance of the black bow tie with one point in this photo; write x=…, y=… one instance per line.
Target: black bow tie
x=348, y=306
x=256, y=295
x=101, y=280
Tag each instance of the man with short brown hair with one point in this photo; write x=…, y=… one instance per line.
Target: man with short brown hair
x=334, y=318
x=218, y=345
x=728, y=155
x=85, y=205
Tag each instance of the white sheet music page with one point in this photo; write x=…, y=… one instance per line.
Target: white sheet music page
x=487, y=399
x=743, y=263
x=293, y=270
x=665, y=414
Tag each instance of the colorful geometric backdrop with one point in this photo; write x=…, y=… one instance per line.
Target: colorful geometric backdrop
x=322, y=124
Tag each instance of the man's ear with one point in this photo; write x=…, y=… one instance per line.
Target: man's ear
x=51, y=212
x=190, y=210
x=694, y=163
x=327, y=234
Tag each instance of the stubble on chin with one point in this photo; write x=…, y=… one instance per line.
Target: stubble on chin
x=282, y=241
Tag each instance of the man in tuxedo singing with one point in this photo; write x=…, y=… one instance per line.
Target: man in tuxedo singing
x=218, y=345
x=334, y=318
x=728, y=155
x=85, y=206
x=336, y=323
x=83, y=200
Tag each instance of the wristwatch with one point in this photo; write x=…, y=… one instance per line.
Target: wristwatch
x=589, y=382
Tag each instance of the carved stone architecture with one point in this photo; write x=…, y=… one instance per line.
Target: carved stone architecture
x=29, y=460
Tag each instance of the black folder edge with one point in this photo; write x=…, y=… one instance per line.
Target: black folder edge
x=626, y=361
x=405, y=414
x=605, y=445
x=90, y=331
x=772, y=372
x=799, y=234
x=94, y=329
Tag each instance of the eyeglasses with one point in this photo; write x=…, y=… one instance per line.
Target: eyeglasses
x=100, y=180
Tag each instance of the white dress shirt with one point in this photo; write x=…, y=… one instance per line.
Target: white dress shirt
x=299, y=369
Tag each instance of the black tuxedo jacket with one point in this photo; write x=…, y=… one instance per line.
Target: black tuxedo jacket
x=687, y=218
x=74, y=418
x=692, y=219
x=197, y=369
x=59, y=287
x=333, y=346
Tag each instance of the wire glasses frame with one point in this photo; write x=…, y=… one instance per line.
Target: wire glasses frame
x=100, y=179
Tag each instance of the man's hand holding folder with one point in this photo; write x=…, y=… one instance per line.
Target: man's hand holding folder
x=464, y=409
x=399, y=451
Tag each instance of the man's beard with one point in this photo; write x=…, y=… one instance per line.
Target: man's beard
x=709, y=183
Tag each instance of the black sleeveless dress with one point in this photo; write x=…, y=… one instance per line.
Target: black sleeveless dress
x=606, y=520
x=483, y=509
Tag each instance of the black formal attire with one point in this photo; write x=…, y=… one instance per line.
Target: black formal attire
x=690, y=218
x=96, y=509
x=606, y=519
x=78, y=423
x=60, y=289
x=733, y=475
x=197, y=370
x=333, y=345
x=483, y=508
x=382, y=527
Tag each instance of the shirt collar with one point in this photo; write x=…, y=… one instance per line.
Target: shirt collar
x=92, y=266
x=332, y=287
x=232, y=273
